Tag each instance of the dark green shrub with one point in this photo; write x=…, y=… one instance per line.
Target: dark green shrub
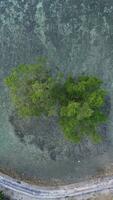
x=2, y=195
x=77, y=102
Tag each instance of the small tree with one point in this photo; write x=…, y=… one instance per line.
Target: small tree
x=82, y=114
x=29, y=89
x=77, y=102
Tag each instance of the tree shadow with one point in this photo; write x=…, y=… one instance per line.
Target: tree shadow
x=45, y=134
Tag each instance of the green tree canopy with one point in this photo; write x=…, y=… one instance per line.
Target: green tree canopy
x=77, y=102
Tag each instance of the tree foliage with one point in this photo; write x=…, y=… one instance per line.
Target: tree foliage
x=77, y=102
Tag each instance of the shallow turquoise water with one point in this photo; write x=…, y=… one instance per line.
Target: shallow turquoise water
x=77, y=36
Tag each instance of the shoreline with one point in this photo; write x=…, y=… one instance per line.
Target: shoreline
x=51, y=183
x=55, y=182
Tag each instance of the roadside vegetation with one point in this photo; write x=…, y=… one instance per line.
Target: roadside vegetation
x=77, y=102
x=2, y=196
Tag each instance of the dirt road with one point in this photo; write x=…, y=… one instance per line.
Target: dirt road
x=59, y=192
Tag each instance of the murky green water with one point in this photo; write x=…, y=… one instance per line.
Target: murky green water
x=77, y=36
